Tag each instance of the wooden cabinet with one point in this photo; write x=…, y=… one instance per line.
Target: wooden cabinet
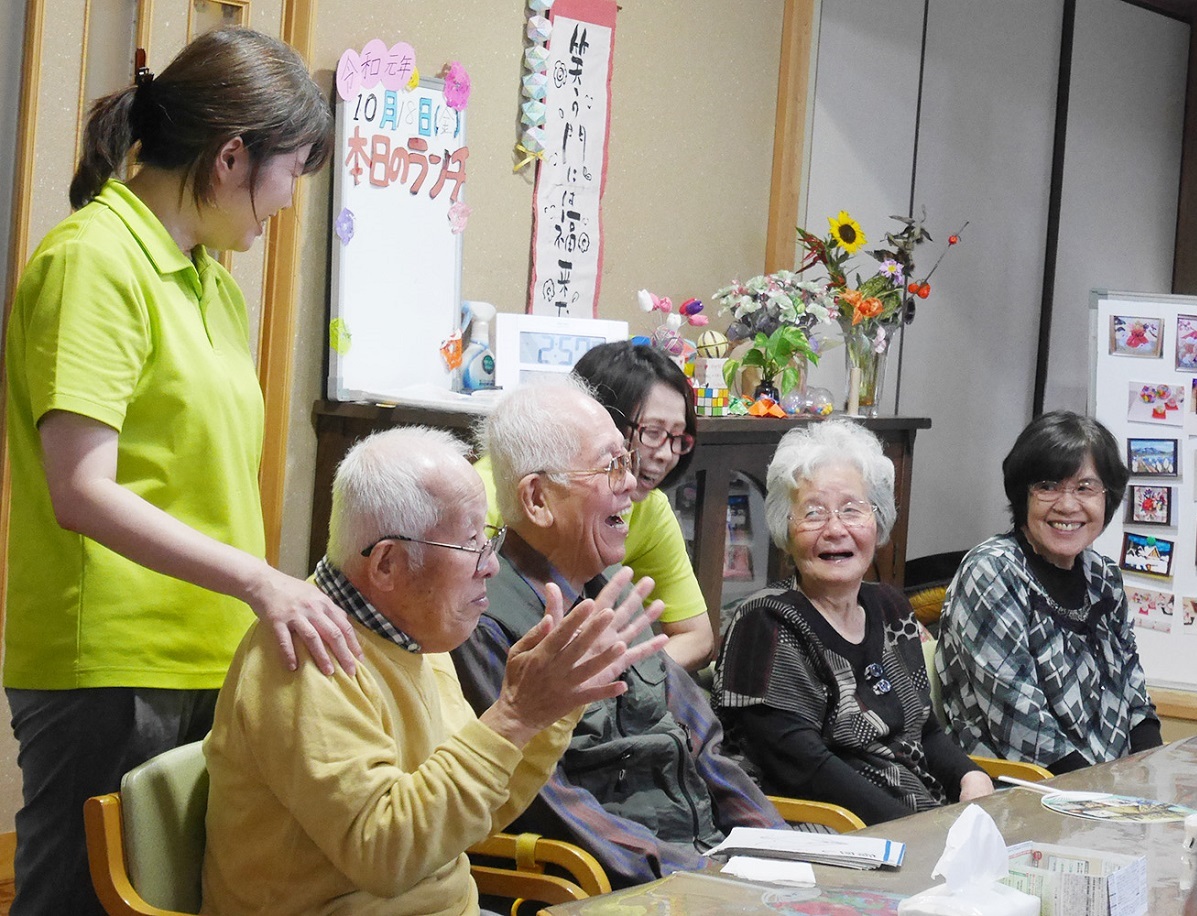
x=726, y=445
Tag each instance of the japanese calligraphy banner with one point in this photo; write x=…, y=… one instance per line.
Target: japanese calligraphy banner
x=398, y=181
x=567, y=242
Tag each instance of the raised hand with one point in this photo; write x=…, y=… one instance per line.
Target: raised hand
x=566, y=661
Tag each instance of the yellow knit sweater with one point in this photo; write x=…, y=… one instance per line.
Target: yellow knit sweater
x=356, y=794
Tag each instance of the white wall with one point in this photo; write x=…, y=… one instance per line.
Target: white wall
x=1122, y=171
x=984, y=155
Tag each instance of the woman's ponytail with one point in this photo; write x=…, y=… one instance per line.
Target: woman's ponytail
x=107, y=139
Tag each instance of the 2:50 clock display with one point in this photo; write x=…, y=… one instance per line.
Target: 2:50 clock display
x=546, y=348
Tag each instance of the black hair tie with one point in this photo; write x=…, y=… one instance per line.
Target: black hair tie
x=142, y=112
x=142, y=75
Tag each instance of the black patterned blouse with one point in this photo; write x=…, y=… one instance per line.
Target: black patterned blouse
x=821, y=718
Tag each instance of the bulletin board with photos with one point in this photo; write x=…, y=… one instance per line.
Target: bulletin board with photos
x=1144, y=389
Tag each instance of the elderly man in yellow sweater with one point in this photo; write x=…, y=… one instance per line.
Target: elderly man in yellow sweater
x=360, y=793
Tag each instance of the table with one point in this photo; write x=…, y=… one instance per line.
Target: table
x=1167, y=773
x=726, y=445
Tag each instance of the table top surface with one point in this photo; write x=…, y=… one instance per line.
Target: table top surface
x=1166, y=774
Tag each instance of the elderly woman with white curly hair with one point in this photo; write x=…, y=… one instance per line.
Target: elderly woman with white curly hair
x=821, y=684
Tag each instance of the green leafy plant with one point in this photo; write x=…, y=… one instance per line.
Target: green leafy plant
x=774, y=355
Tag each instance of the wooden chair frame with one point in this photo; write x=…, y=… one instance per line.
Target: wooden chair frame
x=799, y=810
x=526, y=879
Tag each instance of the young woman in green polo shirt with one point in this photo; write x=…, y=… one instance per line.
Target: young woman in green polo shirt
x=135, y=427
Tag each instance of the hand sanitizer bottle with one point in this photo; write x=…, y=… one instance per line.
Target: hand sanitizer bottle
x=478, y=362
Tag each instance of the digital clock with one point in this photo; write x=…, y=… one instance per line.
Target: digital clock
x=530, y=345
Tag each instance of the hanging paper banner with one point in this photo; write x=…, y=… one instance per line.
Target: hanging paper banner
x=567, y=242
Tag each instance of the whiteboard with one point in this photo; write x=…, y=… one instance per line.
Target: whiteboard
x=1167, y=637
x=400, y=166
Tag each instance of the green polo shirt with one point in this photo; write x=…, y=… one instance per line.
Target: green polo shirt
x=112, y=321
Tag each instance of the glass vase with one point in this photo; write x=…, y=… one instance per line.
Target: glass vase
x=865, y=348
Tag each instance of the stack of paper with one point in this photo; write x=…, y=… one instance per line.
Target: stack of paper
x=823, y=849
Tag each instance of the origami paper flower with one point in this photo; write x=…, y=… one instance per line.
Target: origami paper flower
x=457, y=87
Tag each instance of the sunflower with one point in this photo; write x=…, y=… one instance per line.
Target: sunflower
x=847, y=232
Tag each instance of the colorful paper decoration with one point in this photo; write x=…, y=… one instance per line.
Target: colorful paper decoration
x=532, y=113
x=459, y=215
x=539, y=29
x=451, y=351
x=535, y=85
x=343, y=226
x=339, y=337
x=457, y=86
x=394, y=67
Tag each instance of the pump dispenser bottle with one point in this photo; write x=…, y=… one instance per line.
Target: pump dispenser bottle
x=478, y=362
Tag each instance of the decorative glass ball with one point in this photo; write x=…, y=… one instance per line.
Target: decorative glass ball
x=819, y=402
x=794, y=403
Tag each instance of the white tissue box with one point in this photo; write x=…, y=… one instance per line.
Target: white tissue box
x=990, y=900
x=1079, y=882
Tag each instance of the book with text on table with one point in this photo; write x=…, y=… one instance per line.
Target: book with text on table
x=822, y=849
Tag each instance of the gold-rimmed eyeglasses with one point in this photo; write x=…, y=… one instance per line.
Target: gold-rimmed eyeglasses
x=490, y=547
x=1048, y=491
x=853, y=514
x=616, y=470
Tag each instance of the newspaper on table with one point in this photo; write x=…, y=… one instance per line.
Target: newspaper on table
x=822, y=849
x=1079, y=882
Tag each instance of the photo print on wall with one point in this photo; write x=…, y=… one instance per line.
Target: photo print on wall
x=1152, y=457
x=1149, y=402
x=1149, y=608
x=1186, y=343
x=1148, y=504
x=1134, y=336
x=1147, y=554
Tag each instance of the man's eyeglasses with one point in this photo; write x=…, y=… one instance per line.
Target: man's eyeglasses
x=616, y=470
x=655, y=437
x=813, y=516
x=1048, y=491
x=490, y=547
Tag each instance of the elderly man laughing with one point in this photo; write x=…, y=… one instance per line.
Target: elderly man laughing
x=360, y=793
x=643, y=786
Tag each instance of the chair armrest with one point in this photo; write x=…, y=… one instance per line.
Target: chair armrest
x=799, y=810
x=531, y=852
x=1019, y=769
x=106, y=859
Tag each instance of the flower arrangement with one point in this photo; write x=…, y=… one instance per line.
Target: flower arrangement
x=778, y=312
x=873, y=307
x=884, y=298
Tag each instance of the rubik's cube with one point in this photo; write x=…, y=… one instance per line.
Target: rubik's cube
x=711, y=402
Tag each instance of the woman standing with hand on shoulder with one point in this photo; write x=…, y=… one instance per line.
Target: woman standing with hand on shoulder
x=135, y=426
